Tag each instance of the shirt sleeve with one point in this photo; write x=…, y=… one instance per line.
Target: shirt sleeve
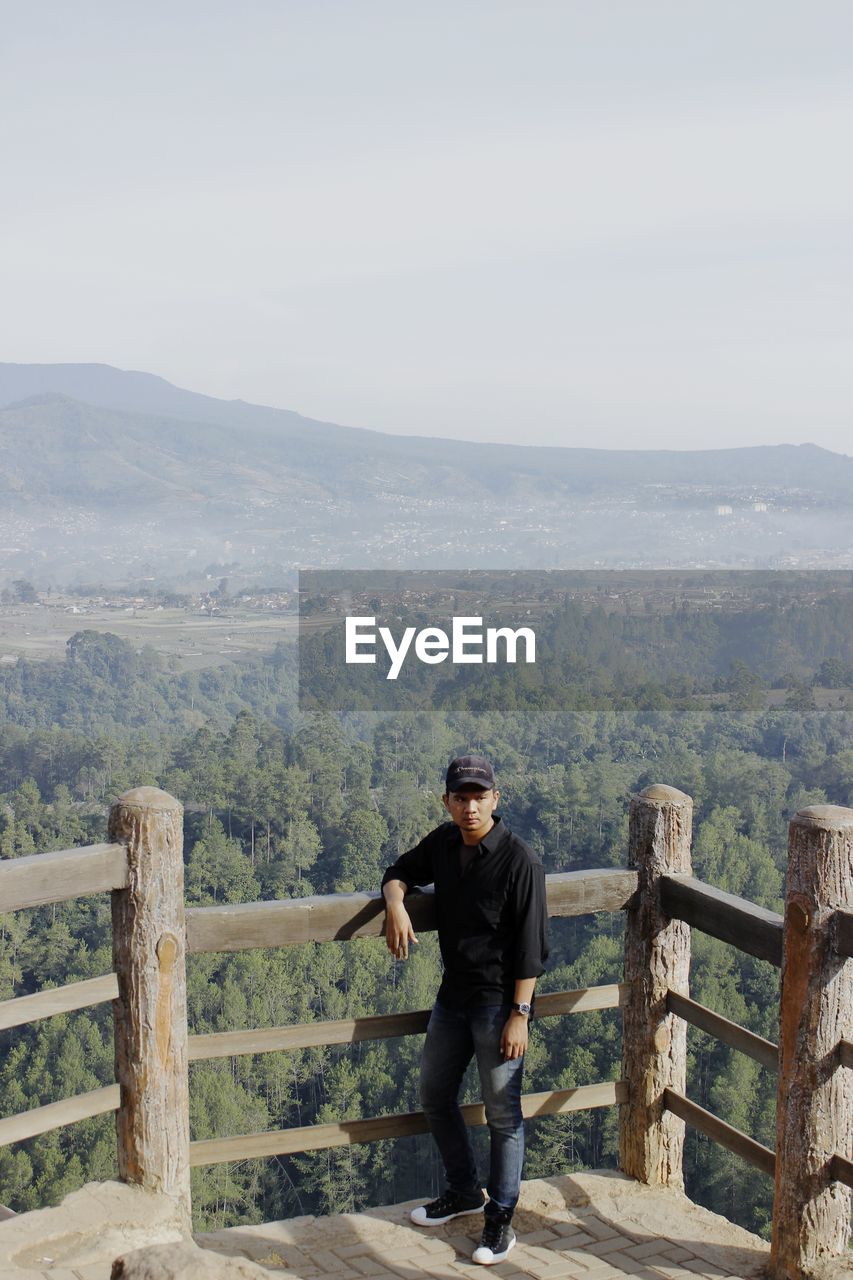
x=531, y=921
x=416, y=866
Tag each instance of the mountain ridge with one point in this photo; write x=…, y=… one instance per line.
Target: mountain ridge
x=226, y=481
x=576, y=466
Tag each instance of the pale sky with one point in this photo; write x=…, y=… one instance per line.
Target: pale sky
x=588, y=222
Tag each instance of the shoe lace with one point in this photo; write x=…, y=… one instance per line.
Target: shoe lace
x=445, y=1203
x=492, y=1233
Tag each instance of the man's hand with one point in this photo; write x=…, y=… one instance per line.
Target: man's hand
x=398, y=930
x=514, y=1035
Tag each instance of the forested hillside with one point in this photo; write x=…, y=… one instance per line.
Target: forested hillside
x=281, y=803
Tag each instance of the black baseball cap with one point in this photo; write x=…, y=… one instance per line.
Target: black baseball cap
x=469, y=771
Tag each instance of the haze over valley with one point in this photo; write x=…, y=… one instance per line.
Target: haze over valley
x=116, y=477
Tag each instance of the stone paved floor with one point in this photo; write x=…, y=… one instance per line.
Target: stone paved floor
x=592, y=1226
x=586, y=1226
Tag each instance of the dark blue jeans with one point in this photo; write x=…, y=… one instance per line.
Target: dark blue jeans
x=453, y=1037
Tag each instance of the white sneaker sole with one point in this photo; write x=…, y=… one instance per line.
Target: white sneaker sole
x=487, y=1259
x=421, y=1220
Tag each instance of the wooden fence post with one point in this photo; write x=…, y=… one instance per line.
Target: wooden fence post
x=657, y=957
x=814, y=1115
x=149, y=955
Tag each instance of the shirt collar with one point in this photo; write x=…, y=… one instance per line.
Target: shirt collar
x=494, y=837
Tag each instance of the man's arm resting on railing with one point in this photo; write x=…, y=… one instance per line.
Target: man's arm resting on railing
x=398, y=927
x=410, y=870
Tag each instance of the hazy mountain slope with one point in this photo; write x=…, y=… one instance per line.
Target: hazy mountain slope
x=110, y=388
x=167, y=482
x=138, y=413
x=54, y=447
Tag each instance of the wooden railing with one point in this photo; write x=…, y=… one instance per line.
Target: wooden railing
x=343, y=917
x=812, y=944
x=142, y=867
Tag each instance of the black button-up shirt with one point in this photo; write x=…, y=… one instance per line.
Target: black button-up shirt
x=492, y=917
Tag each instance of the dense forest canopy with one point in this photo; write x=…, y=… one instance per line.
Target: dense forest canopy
x=749, y=713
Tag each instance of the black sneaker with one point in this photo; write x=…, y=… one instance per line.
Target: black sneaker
x=452, y=1204
x=497, y=1240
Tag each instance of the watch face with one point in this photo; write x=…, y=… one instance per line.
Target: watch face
x=523, y=1007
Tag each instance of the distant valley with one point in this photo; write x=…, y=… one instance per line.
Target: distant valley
x=112, y=476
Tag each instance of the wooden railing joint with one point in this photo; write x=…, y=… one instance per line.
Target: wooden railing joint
x=841, y=1170
x=731, y=1033
x=716, y=1129
x=735, y=920
x=42, y=878
x=843, y=933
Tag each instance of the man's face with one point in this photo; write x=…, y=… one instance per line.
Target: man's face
x=471, y=808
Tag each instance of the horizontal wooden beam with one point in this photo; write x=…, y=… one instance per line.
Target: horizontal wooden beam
x=724, y=916
x=306, y=1035
x=285, y=922
x=29, y=1124
x=740, y=1143
x=43, y=1004
x=611, y=995
x=841, y=1170
x=845, y=1053
x=342, y=916
x=41, y=878
x=731, y=1033
x=580, y=893
x=560, y=1102
x=310, y=1035
x=316, y=1136
x=844, y=932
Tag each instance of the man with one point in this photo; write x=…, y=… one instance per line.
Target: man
x=492, y=930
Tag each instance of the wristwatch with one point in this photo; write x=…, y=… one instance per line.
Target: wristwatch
x=522, y=1007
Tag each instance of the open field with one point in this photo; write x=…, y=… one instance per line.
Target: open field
x=193, y=639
